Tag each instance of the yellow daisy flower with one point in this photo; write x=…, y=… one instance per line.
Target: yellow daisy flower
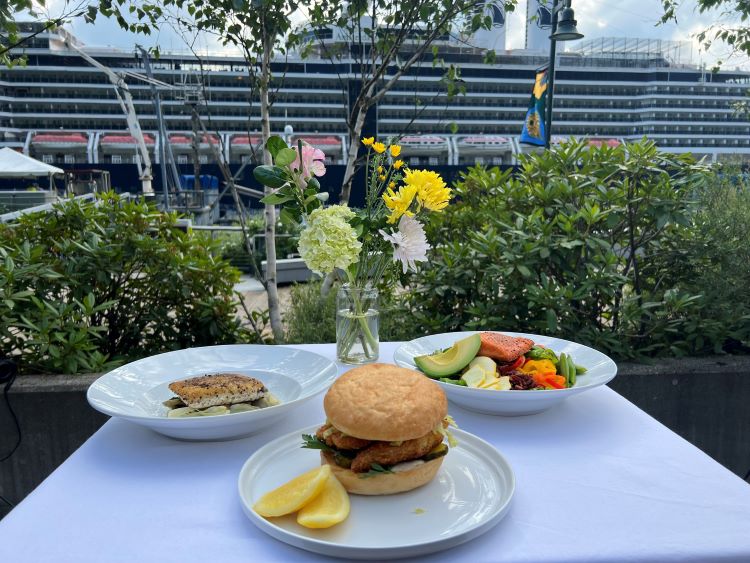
x=395, y=150
x=382, y=177
x=368, y=141
x=380, y=169
x=378, y=148
x=432, y=193
x=392, y=185
x=399, y=202
x=398, y=164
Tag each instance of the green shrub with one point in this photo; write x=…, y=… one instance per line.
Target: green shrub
x=711, y=261
x=312, y=318
x=571, y=245
x=87, y=285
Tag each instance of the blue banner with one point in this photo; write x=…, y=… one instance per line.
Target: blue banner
x=534, y=128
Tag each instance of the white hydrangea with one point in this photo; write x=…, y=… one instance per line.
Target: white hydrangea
x=329, y=241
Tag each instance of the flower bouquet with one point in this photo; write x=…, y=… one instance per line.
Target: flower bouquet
x=360, y=243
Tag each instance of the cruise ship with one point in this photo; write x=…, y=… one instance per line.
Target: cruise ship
x=61, y=110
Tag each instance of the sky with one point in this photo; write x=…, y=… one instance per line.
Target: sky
x=596, y=18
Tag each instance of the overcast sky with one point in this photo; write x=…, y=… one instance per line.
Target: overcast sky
x=596, y=18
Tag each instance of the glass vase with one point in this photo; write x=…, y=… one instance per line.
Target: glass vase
x=357, y=318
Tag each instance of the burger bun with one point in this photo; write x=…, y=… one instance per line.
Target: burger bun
x=386, y=483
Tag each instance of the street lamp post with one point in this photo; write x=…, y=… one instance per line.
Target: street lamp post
x=562, y=30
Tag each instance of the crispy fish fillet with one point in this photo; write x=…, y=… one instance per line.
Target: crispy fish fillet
x=386, y=454
x=337, y=439
x=503, y=348
x=218, y=389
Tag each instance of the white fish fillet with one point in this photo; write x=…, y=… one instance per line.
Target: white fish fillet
x=218, y=389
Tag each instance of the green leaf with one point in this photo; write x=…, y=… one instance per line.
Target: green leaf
x=313, y=183
x=285, y=157
x=276, y=199
x=271, y=176
x=375, y=470
x=314, y=443
x=274, y=145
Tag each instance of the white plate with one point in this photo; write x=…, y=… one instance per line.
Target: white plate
x=601, y=370
x=135, y=391
x=470, y=494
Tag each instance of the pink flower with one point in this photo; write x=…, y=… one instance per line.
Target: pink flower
x=312, y=162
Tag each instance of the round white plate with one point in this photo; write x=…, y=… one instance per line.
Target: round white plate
x=601, y=370
x=470, y=494
x=135, y=391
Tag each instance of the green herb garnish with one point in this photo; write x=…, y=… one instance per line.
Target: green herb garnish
x=314, y=443
x=375, y=470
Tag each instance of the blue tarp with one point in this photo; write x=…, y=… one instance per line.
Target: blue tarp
x=187, y=182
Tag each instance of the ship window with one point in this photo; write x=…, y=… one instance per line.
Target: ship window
x=203, y=159
x=414, y=161
x=478, y=160
x=69, y=159
x=182, y=159
x=48, y=159
x=434, y=161
x=116, y=159
x=244, y=158
x=497, y=160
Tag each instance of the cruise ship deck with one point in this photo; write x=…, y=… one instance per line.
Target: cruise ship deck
x=61, y=110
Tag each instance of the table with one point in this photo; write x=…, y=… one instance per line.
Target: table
x=597, y=480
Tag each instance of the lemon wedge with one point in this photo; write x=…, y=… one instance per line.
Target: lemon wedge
x=295, y=494
x=473, y=376
x=330, y=507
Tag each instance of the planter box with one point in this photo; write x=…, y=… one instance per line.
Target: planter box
x=702, y=399
x=290, y=270
x=55, y=420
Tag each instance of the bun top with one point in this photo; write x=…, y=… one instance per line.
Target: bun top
x=385, y=402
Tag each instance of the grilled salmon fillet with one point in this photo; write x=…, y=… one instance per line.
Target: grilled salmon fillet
x=218, y=389
x=503, y=348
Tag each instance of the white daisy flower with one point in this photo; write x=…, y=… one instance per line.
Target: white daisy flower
x=409, y=242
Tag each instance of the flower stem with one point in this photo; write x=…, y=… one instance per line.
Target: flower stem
x=359, y=329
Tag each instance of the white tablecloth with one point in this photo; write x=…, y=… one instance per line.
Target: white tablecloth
x=597, y=480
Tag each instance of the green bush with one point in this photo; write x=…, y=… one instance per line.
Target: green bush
x=711, y=261
x=312, y=318
x=576, y=244
x=88, y=285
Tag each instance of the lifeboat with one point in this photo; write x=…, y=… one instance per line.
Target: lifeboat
x=185, y=141
x=424, y=144
x=119, y=141
x=60, y=140
x=332, y=146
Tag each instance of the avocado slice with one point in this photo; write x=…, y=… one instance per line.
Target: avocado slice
x=452, y=360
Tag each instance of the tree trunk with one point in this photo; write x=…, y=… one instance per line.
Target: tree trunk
x=351, y=158
x=270, y=211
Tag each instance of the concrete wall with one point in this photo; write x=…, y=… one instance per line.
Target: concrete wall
x=55, y=420
x=703, y=400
